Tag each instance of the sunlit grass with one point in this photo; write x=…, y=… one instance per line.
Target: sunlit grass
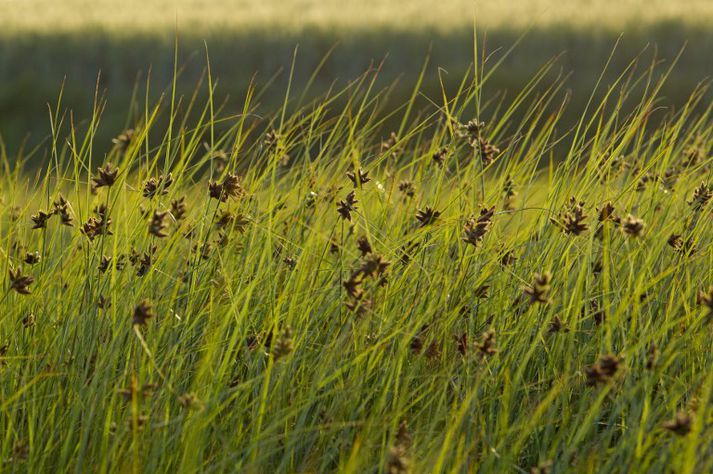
x=278, y=325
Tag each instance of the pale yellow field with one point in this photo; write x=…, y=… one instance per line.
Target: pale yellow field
x=129, y=16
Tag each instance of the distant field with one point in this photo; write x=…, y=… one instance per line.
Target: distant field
x=200, y=15
x=42, y=42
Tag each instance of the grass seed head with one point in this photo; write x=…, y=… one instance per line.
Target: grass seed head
x=124, y=139
x=179, y=209
x=509, y=194
x=440, y=156
x=538, y=291
x=363, y=246
x=603, y=370
x=486, y=345
x=40, y=219
x=105, y=176
x=488, y=152
x=32, y=258
x=701, y=196
x=347, y=205
x=60, y=207
x=681, y=424
x=556, y=325
x=229, y=188
x=427, y=216
x=633, y=226
x=143, y=312
x=475, y=229
x=571, y=220
x=158, y=224
x=407, y=188
x=358, y=177
x=705, y=299
x=20, y=282
x=398, y=462
x=283, y=345
x=154, y=186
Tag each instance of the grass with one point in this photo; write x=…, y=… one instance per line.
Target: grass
x=333, y=300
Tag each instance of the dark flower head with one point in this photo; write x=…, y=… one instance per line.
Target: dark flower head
x=40, y=219
x=178, y=208
x=427, y=216
x=538, y=291
x=358, y=177
x=633, y=226
x=603, y=370
x=439, y=157
x=701, y=196
x=475, y=229
x=20, y=282
x=571, y=220
x=681, y=425
x=105, y=176
x=142, y=313
x=407, y=188
x=158, y=225
x=124, y=139
x=158, y=185
x=346, y=206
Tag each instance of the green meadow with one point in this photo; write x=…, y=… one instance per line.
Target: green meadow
x=490, y=265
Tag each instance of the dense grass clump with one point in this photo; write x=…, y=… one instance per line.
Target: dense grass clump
x=305, y=292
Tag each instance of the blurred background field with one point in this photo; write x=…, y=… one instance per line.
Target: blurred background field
x=42, y=42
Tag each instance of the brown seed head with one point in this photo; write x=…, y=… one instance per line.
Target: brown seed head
x=178, y=208
x=440, y=156
x=603, y=370
x=229, y=188
x=363, y=245
x=705, y=299
x=19, y=282
x=358, y=177
x=538, y=291
x=407, y=188
x=348, y=205
x=571, y=220
x=633, y=226
x=486, y=345
x=60, y=207
x=510, y=194
x=40, y=219
x=154, y=186
x=681, y=425
x=143, y=312
x=124, y=139
x=158, y=224
x=398, y=462
x=701, y=196
x=105, y=176
x=475, y=229
x=488, y=151
x=32, y=258
x=427, y=216
x=374, y=266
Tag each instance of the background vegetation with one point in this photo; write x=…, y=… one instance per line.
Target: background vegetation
x=42, y=42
